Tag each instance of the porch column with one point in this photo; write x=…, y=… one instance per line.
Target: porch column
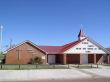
x=102, y=61
x=108, y=59
x=80, y=59
x=95, y=59
x=64, y=59
x=46, y=58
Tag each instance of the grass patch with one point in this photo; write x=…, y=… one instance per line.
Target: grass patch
x=84, y=66
x=31, y=66
x=107, y=65
x=7, y=67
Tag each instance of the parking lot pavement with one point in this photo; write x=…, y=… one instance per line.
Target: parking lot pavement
x=19, y=75
x=50, y=74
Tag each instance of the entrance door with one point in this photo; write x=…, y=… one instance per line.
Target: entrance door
x=51, y=59
x=84, y=58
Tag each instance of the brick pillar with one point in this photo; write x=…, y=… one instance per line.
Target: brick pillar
x=95, y=59
x=64, y=59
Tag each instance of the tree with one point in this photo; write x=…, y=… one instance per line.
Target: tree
x=2, y=58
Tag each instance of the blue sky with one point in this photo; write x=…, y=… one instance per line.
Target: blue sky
x=54, y=22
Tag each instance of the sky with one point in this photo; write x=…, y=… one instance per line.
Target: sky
x=54, y=22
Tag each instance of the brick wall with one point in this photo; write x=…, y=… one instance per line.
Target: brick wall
x=22, y=54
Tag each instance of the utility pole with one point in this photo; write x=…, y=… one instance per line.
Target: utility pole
x=1, y=29
x=10, y=45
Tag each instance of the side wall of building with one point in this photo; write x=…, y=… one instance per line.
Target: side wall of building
x=23, y=54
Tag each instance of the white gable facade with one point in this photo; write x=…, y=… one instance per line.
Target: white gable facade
x=85, y=51
x=85, y=47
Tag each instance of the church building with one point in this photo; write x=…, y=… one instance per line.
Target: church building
x=82, y=51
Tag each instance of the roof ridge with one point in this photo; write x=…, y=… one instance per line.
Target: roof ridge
x=69, y=43
x=49, y=45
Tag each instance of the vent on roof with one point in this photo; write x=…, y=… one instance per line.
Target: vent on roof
x=34, y=53
x=29, y=49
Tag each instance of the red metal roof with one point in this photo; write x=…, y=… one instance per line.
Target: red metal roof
x=59, y=49
x=69, y=45
x=51, y=49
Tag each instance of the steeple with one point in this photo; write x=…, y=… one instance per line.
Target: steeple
x=81, y=34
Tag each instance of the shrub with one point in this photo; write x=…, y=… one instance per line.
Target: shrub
x=36, y=60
